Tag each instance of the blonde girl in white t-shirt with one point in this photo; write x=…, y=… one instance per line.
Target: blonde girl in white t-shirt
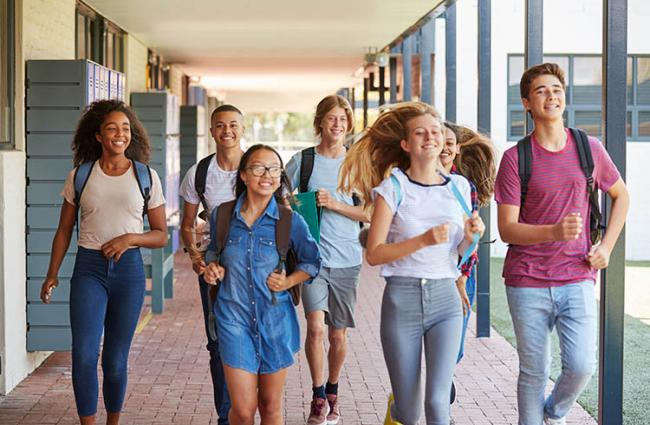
x=107, y=285
x=417, y=231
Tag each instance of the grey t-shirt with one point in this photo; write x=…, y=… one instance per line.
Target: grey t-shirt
x=339, y=235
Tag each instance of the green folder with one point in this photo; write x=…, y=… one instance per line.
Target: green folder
x=305, y=205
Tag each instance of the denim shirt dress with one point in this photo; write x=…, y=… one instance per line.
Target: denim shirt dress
x=254, y=334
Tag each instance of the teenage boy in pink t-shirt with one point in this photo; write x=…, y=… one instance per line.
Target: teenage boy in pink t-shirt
x=551, y=265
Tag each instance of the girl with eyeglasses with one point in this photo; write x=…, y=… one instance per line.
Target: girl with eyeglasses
x=257, y=325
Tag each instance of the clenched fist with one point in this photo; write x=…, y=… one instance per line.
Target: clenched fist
x=436, y=235
x=569, y=228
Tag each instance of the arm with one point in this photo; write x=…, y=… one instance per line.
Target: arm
x=188, y=230
x=154, y=238
x=380, y=252
x=598, y=257
x=516, y=233
x=60, y=245
x=326, y=200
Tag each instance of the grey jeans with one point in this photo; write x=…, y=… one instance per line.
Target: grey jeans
x=416, y=313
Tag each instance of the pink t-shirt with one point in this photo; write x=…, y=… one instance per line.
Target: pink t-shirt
x=556, y=188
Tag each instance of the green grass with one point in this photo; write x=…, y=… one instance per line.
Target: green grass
x=637, y=263
x=636, y=380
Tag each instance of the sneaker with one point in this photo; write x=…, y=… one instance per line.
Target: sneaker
x=319, y=410
x=550, y=421
x=334, y=414
x=389, y=418
x=452, y=395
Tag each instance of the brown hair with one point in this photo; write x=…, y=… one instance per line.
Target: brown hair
x=475, y=161
x=370, y=160
x=285, y=185
x=84, y=144
x=535, y=71
x=327, y=104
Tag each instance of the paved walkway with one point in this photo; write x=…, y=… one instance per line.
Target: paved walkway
x=169, y=381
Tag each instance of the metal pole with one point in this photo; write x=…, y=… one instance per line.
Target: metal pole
x=427, y=47
x=382, y=85
x=366, y=88
x=450, y=63
x=612, y=279
x=407, y=66
x=534, y=49
x=484, y=125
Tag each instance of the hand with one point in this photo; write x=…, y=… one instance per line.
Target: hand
x=198, y=266
x=46, y=290
x=598, y=257
x=462, y=291
x=436, y=235
x=325, y=199
x=569, y=228
x=278, y=281
x=212, y=273
x=474, y=224
x=114, y=248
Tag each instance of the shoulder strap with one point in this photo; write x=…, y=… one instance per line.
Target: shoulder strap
x=200, y=177
x=398, y=191
x=224, y=215
x=81, y=175
x=525, y=154
x=584, y=153
x=306, y=167
x=143, y=176
x=283, y=234
x=468, y=211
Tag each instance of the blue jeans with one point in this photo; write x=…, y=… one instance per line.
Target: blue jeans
x=417, y=314
x=220, y=391
x=470, y=287
x=535, y=311
x=107, y=296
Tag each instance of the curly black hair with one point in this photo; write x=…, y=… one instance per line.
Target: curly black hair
x=84, y=144
x=282, y=193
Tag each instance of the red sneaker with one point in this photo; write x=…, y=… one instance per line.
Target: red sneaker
x=319, y=410
x=335, y=414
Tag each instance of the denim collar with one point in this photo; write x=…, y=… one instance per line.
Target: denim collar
x=271, y=209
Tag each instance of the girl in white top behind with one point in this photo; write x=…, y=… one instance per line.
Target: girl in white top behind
x=417, y=232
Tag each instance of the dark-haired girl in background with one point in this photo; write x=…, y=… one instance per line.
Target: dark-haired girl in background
x=107, y=285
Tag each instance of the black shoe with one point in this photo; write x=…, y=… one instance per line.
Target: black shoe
x=452, y=396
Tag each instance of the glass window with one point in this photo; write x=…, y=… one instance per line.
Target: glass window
x=644, y=123
x=630, y=81
x=6, y=64
x=643, y=81
x=628, y=124
x=515, y=70
x=563, y=61
x=587, y=80
x=589, y=121
x=517, y=124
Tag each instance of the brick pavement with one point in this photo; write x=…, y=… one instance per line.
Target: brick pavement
x=169, y=382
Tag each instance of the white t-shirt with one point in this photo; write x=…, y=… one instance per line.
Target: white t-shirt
x=111, y=206
x=421, y=208
x=219, y=188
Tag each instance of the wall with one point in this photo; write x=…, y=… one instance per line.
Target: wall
x=176, y=75
x=136, y=66
x=49, y=29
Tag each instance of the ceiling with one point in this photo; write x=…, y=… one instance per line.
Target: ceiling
x=273, y=55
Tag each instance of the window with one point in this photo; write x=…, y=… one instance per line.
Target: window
x=583, y=75
x=6, y=73
x=99, y=39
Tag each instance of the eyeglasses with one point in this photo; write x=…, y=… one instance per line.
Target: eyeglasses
x=260, y=170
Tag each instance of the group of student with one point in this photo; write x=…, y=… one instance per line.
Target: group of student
x=417, y=180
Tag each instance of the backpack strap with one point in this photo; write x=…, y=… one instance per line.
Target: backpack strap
x=587, y=166
x=143, y=176
x=81, y=175
x=223, y=216
x=200, y=178
x=398, y=191
x=306, y=168
x=525, y=155
x=468, y=211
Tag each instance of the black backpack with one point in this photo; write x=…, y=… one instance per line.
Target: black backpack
x=200, y=177
x=307, y=167
x=525, y=154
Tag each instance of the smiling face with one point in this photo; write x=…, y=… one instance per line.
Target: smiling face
x=227, y=129
x=424, y=138
x=262, y=173
x=449, y=150
x=114, y=133
x=334, y=125
x=546, y=98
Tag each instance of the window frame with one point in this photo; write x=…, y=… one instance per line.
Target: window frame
x=8, y=86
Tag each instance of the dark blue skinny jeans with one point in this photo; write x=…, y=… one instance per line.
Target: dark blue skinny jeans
x=107, y=296
x=221, y=398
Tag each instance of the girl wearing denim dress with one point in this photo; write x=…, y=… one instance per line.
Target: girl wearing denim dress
x=417, y=231
x=257, y=325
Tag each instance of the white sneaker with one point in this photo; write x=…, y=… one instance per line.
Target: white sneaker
x=551, y=421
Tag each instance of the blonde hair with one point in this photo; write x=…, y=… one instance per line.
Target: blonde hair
x=370, y=160
x=327, y=104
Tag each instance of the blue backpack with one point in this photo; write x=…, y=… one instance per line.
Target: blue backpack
x=142, y=175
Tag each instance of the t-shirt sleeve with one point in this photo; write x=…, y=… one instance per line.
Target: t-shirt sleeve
x=386, y=190
x=293, y=171
x=605, y=172
x=156, y=198
x=188, y=190
x=507, y=188
x=68, y=188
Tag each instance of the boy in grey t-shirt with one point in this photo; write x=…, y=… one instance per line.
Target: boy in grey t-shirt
x=331, y=297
